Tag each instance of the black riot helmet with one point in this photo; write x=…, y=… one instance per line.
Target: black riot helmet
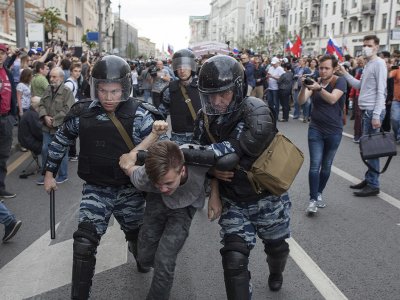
x=185, y=59
x=111, y=69
x=220, y=75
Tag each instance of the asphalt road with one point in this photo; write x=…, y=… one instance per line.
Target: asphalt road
x=349, y=250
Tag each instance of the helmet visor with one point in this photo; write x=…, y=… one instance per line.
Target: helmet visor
x=183, y=63
x=219, y=103
x=116, y=90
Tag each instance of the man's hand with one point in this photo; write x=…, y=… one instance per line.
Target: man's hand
x=214, y=207
x=49, y=182
x=127, y=162
x=376, y=123
x=341, y=70
x=48, y=121
x=159, y=127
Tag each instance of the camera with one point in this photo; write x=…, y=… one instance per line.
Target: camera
x=308, y=80
x=153, y=69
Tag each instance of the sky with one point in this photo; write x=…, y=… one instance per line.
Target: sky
x=162, y=21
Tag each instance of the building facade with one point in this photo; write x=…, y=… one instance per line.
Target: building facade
x=265, y=25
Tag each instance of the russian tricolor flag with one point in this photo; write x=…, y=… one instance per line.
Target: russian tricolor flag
x=235, y=51
x=288, y=46
x=333, y=48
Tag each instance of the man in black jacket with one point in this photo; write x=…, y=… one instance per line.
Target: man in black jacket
x=30, y=133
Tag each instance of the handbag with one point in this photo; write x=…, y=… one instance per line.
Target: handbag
x=377, y=145
x=277, y=167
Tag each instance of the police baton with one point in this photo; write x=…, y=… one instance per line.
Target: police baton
x=52, y=215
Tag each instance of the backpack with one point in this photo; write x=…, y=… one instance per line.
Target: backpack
x=78, y=94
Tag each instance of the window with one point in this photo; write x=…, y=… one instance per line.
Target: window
x=295, y=18
x=326, y=10
x=334, y=8
x=397, y=24
x=350, y=30
x=359, y=26
x=306, y=13
x=371, y=23
x=324, y=30
x=290, y=20
x=341, y=28
x=384, y=21
x=333, y=29
x=353, y=3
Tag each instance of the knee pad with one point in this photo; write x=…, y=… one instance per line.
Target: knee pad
x=86, y=240
x=276, y=248
x=235, y=255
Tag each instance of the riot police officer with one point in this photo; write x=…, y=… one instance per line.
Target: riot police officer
x=181, y=99
x=107, y=190
x=230, y=122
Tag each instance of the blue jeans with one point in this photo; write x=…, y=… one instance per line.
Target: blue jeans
x=273, y=102
x=63, y=170
x=6, y=217
x=305, y=107
x=322, y=149
x=147, y=96
x=395, y=119
x=371, y=177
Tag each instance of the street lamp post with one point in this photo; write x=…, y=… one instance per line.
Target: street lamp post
x=119, y=29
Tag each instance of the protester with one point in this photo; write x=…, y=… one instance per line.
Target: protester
x=175, y=193
x=372, y=98
x=8, y=111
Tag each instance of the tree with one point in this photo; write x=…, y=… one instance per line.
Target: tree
x=51, y=20
x=130, y=51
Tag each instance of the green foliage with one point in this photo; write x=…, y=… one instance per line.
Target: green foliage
x=51, y=20
x=130, y=51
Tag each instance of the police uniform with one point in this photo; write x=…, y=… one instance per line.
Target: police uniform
x=107, y=190
x=247, y=129
x=174, y=104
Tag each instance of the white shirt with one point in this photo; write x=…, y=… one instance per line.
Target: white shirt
x=276, y=72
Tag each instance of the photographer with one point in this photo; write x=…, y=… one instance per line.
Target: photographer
x=161, y=81
x=147, y=82
x=325, y=131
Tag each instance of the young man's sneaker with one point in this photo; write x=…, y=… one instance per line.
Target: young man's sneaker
x=6, y=195
x=61, y=180
x=320, y=202
x=11, y=230
x=312, y=207
x=40, y=181
x=73, y=158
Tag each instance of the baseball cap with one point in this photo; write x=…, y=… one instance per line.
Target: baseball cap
x=275, y=60
x=3, y=47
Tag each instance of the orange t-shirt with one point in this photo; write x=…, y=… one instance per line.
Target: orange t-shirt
x=396, y=91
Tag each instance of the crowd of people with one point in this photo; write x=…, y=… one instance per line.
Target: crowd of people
x=214, y=102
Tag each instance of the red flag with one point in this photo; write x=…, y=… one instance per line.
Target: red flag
x=296, y=49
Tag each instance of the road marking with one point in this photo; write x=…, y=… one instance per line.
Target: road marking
x=319, y=279
x=15, y=164
x=44, y=266
x=389, y=199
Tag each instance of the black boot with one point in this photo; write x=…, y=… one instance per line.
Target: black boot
x=277, y=255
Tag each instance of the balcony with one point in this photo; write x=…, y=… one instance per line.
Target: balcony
x=316, y=2
x=315, y=19
x=368, y=7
